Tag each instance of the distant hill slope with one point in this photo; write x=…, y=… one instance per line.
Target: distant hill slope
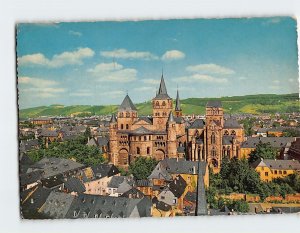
x=255, y=104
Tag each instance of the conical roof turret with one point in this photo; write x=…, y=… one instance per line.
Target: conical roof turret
x=127, y=105
x=177, y=106
x=113, y=118
x=162, y=91
x=171, y=117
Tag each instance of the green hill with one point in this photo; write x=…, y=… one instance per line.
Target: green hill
x=255, y=104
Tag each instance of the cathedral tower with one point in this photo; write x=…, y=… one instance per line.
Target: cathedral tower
x=171, y=138
x=127, y=114
x=178, y=110
x=162, y=106
x=214, y=125
x=113, y=142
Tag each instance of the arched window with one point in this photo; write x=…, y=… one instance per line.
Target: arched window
x=145, y=138
x=138, y=150
x=127, y=114
x=163, y=103
x=157, y=103
x=127, y=126
x=122, y=126
x=148, y=150
x=213, y=152
x=233, y=133
x=213, y=138
x=226, y=132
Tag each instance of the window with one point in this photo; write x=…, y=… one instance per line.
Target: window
x=275, y=172
x=127, y=126
x=163, y=103
x=213, y=138
x=266, y=174
x=284, y=172
x=174, y=201
x=148, y=150
x=280, y=172
x=163, y=197
x=145, y=138
x=127, y=114
x=157, y=103
x=138, y=150
x=122, y=126
x=233, y=133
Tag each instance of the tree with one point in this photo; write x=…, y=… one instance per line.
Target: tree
x=291, y=133
x=263, y=150
x=239, y=206
x=87, y=134
x=248, y=124
x=142, y=167
x=72, y=149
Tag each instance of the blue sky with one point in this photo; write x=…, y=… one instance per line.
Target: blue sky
x=96, y=63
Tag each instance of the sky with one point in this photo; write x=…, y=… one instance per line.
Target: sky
x=97, y=63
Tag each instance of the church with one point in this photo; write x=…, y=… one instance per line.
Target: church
x=168, y=135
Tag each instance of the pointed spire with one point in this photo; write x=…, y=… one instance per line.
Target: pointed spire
x=113, y=118
x=177, y=106
x=171, y=117
x=127, y=105
x=162, y=91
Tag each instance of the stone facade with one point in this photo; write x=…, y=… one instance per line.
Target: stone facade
x=167, y=135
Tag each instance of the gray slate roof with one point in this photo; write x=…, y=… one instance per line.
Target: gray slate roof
x=276, y=142
x=197, y=124
x=278, y=164
x=182, y=166
x=117, y=180
x=162, y=91
x=57, y=205
x=141, y=131
x=214, y=103
x=127, y=105
x=74, y=185
x=231, y=123
x=177, y=106
x=54, y=166
x=103, y=170
x=177, y=186
x=94, y=206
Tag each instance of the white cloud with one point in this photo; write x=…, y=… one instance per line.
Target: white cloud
x=274, y=87
x=173, y=55
x=210, y=69
x=151, y=81
x=201, y=78
x=125, y=54
x=58, y=60
x=36, y=82
x=74, y=33
x=291, y=80
x=113, y=72
x=39, y=88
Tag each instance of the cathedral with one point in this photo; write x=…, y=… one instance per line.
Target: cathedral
x=168, y=135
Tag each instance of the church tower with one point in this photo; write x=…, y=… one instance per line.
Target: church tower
x=214, y=125
x=127, y=114
x=162, y=106
x=113, y=142
x=178, y=110
x=171, y=137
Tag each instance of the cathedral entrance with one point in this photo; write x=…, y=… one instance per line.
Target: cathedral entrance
x=159, y=154
x=123, y=157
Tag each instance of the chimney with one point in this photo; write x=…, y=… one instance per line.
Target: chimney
x=194, y=170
